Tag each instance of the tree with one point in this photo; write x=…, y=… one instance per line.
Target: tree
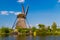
x=48, y=27
x=54, y=26
x=49, y=30
x=41, y=26
x=33, y=28
x=4, y=30
x=42, y=29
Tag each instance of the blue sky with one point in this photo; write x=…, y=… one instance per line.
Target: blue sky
x=40, y=11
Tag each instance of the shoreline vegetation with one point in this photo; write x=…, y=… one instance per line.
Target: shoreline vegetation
x=42, y=30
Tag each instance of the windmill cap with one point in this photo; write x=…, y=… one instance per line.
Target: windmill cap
x=21, y=16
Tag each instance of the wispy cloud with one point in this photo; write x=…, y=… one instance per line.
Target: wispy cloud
x=37, y=24
x=9, y=12
x=58, y=1
x=16, y=13
x=21, y=1
x=4, y=12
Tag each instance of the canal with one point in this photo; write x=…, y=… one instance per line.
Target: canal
x=30, y=38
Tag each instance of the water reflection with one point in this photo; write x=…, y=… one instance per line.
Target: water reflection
x=30, y=38
x=21, y=38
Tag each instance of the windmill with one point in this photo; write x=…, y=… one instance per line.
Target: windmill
x=21, y=19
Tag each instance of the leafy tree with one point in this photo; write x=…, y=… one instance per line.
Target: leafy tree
x=33, y=28
x=54, y=26
x=4, y=30
x=41, y=26
x=49, y=28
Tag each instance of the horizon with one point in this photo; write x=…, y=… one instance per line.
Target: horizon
x=40, y=11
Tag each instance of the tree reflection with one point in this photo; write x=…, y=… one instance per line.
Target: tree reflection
x=21, y=37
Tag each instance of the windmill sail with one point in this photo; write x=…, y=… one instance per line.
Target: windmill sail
x=14, y=23
x=21, y=20
x=26, y=15
x=27, y=10
x=23, y=11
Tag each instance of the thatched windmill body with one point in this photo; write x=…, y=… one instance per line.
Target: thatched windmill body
x=21, y=18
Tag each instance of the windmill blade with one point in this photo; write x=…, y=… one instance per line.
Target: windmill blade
x=27, y=10
x=28, y=23
x=26, y=15
x=23, y=11
x=14, y=23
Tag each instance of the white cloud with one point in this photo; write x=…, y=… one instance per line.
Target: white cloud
x=4, y=12
x=37, y=24
x=11, y=12
x=16, y=13
x=58, y=1
x=21, y=1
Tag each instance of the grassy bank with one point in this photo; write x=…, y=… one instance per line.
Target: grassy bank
x=41, y=30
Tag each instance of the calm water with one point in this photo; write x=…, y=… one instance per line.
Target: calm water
x=30, y=38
